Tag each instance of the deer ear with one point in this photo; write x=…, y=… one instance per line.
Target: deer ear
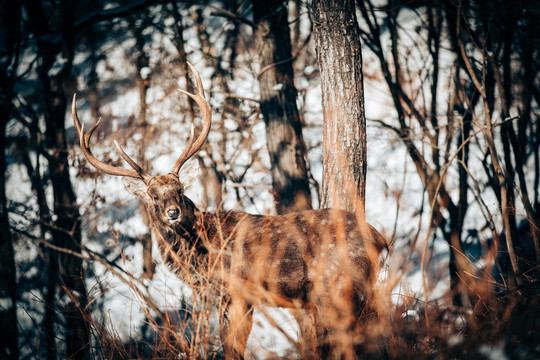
x=189, y=173
x=135, y=186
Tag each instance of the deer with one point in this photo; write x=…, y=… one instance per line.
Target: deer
x=322, y=261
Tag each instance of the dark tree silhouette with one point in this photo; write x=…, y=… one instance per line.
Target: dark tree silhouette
x=278, y=106
x=9, y=20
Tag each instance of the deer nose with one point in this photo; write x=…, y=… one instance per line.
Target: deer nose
x=173, y=213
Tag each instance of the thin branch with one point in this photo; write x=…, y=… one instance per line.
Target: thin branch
x=230, y=15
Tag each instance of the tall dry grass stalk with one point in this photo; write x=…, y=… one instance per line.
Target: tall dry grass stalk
x=378, y=328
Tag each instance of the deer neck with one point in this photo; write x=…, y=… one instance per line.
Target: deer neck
x=176, y=240
x=190, y=227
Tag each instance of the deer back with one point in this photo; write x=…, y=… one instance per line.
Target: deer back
x=291, y=254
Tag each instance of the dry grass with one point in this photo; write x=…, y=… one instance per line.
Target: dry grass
x=503, y=322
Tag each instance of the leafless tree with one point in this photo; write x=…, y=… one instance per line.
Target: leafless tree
x=285, y=142
x=344, y=134
x=440, y=137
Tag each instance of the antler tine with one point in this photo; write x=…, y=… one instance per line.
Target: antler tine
x=74, y=115
x=88, y=135
x=185, y=155
x=84, y=140
x=199, y=98
x=130, y=161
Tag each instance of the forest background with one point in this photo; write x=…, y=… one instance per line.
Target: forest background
x=448, y=101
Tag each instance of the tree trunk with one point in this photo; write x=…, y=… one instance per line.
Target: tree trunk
x=9, y=347
x=8, y=289
x=285, y=142
x=142, y=62
x=66, y=231
x=337, y=43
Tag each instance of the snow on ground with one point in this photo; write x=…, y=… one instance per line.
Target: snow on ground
x=265, y=340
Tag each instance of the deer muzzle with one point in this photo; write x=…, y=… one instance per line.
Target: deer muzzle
x=173, y=213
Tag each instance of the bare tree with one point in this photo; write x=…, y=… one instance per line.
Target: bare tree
x=339, y=56
x=9, y=348
x=489, y=68
x=68, y=269
x=416, y=115
x=344, y=134
x=143, y=73
x=439, y=137
x=48, y=32
x=278, y=106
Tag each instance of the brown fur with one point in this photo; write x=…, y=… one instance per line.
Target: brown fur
x=321, y=260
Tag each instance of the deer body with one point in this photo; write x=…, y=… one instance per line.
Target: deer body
x=320, y=260
x=279, y=254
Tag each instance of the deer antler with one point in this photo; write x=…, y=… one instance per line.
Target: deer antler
x=193, y=147
x=84, y=139
x=137, y=172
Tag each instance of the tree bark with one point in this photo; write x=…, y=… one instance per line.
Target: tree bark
x=142, y=61
x=66, y=232
x=285, y=142
x=337, y=44
x=284, y=138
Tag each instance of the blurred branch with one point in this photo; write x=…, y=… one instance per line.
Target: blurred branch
x=230, y=15
x=233, y=96
x=86, y=254
x=122, y=10
x=462, y=261
x=500, y=174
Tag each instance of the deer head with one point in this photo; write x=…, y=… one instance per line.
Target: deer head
x=164, y=194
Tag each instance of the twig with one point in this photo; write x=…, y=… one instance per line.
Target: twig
x=230, y=15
